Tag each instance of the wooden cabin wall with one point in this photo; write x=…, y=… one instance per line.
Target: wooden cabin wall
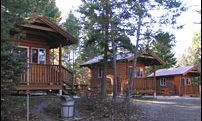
x=189, y=89
x=34, y=44
x=170, y=85
x=177, y=87
x=94, y=81
x=121, y=73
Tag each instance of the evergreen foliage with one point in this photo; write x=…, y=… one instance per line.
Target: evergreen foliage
x=162, y=47
x=130, y=18
x=193, y=57
x=14, y=12
x=73, y=26
x=143, y=22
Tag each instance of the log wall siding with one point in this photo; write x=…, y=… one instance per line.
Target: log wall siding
x=170, y=86
x=34, y=44
x=122, y=78
x=190, y=90
x=175, y=86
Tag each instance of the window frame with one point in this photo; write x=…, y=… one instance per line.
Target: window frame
x=19, y=46
x=164, y=82
x=38, y=50
x=187, y=81
x=140, y=72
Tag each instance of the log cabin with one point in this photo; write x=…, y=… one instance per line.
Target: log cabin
x=177, y=81
x=42, y=37
x=124, y=67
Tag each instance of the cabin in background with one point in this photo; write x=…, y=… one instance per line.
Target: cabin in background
x=124, y=67
x=177, y=81
x=41, y=38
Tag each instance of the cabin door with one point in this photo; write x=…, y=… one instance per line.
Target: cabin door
x=24, y=56
x=182, y=85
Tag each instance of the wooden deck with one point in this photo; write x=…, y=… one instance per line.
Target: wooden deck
x=45, y=77
x=39, y=87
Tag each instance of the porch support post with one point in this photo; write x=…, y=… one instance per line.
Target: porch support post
x=180, y=87
x=60, y=62
x=154, y=80
x=60, y=54
x=53, y=56
x=199, y=86
x=60, y=92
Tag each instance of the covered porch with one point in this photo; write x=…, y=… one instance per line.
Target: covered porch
x=44, y=68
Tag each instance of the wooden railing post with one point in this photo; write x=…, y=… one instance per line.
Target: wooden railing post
x=60, y=62
x=154, y=80
x=43, y=74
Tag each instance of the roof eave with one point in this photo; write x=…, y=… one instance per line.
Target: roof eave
x=69, y=38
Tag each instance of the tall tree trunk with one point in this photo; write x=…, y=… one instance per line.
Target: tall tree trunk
x=132, y=76
x=106, y=38
x=115, y=87
x=103, y=81
x=115, y=92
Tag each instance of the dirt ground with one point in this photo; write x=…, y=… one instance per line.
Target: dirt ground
x=172, y=108
x=45, y=108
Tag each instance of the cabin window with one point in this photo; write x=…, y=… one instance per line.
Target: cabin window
x=162, y=82
x=34, y=55
x=187, y=81
x=140, y=72
x=42, y=56
x=100, y=72
x=38, y=55
x=22, y=52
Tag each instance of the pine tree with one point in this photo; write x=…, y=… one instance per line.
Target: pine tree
x=96, y=25
x=162, y=47
x=14, y=12
x=102, y=30
x=140, y=16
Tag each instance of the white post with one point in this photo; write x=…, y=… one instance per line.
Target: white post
x=27, y=92
x=154, y=94
x=60, y=92
x=27, y=105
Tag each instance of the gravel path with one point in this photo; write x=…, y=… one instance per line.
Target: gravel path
x=172, y=109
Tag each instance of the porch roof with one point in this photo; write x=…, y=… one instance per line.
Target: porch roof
x=175, y=71
x=43, y=29
x=148, y=58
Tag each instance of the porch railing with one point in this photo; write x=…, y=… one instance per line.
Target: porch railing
x=43, y=74
x=141, y=83
x=190, y=89
x=144, y=84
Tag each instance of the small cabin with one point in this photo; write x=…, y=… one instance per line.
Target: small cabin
x=124, y=66
x=42, y=38
x=178, y=81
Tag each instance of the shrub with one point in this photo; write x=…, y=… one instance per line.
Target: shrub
x=98, y=109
